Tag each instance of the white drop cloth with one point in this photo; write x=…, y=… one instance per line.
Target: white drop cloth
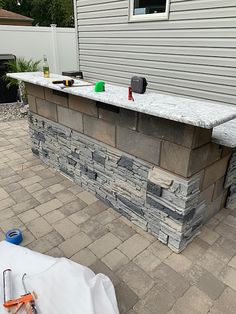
x=61, y=285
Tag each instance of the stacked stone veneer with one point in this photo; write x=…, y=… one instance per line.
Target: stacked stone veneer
x=230, y=183
x=164, y=176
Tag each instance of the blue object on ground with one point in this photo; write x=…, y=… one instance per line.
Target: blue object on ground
x=14, y=236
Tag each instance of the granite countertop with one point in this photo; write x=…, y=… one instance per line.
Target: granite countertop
x=225, y=134
x=189, y=111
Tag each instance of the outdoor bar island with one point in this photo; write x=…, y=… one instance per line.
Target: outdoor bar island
x=151, y=159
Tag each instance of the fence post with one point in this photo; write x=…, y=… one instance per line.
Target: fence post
x=55, y=49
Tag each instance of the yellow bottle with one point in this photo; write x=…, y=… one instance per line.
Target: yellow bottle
x=46, y=72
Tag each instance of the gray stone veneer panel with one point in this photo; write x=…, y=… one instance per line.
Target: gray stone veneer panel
x=160, y=202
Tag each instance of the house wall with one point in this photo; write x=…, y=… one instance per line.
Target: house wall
x=30, y=42
x=191, y=54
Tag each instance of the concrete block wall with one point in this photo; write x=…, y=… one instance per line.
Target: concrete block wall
x=165, y=176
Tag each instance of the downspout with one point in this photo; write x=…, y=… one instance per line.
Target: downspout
x=76, y=35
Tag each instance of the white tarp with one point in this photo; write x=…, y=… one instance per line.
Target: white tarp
x=61, y=285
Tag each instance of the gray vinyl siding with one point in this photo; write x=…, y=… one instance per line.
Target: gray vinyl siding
x=191, y=54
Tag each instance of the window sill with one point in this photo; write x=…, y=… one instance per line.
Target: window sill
x=148, y=18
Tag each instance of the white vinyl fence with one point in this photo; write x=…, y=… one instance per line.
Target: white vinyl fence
x=32, y=42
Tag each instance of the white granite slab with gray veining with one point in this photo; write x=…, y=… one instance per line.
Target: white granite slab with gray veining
x=194, y=112
x=225, y=134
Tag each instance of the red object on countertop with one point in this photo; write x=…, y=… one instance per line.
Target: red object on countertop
x=130, y=94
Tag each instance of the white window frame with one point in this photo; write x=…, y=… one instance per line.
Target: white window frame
x=148, y=17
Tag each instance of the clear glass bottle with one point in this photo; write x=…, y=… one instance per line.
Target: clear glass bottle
x=46, y=71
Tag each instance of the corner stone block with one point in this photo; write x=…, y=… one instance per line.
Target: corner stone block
x=175, y=132
x=59, y=100
x=175, y=158
x=100, y=130
x=83, y=105
x=139, y=145
x=35, y=90
x=47, y=109
x=32, y=103
x=70, y=118
x=215, y=171
x=203, y=156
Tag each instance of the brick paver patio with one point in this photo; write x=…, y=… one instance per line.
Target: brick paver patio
x=60, y=219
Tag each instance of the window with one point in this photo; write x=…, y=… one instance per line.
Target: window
x=146, y=10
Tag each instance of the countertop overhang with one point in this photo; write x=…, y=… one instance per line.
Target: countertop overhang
x=189, y=111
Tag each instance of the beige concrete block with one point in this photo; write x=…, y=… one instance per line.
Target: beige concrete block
x=83, y=105
x=24, y=206
x=32, y=103
x=35, y=90
x=28, y=216
x=54, y=216
x=148, y=262
x=232, y=262
x=125, y=118
x=47, y=109
x=228, y=276
x=207, y=194
x=139, y=145
x=186, y=162
x=55, y=252
x=47, y=242
x=100, y=130
x=65, y=196
x=3, y=194
x=59, y=100
x=55, y=188
x=175, y=158
x=203, y=156
x=33, y=188
x=43, y=196
x=136, y=279
x=134, y=245
x=13, y=222
x=87, y=197
x=226, y=303
x=84, y=257
x=219, y=188
x=66, y=228
x=210, y=285
x=75, y=244
x=48, y=206
x=115, y=260
x=215, y=171
x=208, y=235
x=172, y=131
x=120, y=229
x=70, y=118
x=28, y=238
x=104, y=245
x=211, y=263
x=178, y=262
x=79, y=217
x=6, y=203
x=193, y=301
x=106, y=217
x=160, y=250
x=39, y=227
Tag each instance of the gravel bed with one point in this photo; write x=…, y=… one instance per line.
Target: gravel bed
x=12, y=111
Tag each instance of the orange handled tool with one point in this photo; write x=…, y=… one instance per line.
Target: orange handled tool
x=14, y=305
x=26, y=300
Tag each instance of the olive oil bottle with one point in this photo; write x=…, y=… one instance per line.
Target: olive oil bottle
x=46, y=71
